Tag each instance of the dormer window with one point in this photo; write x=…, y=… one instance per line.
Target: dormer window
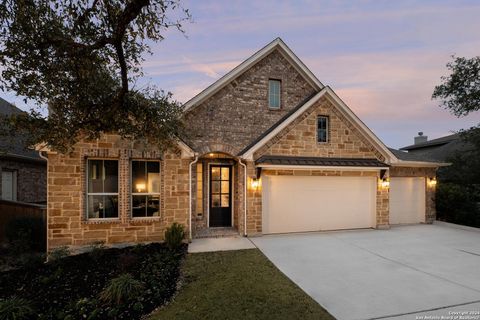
x=274, y=93
x=322, y=129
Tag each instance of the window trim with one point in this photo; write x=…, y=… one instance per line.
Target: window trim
x=279, y=94
x=131, y=194
x=87, y=194
x=327, y=129
x=14, y=184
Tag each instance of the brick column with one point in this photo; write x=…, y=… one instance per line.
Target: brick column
x=383, y=207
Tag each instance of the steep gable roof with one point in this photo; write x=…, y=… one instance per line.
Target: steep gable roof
x=276, y=44
x=328, y=93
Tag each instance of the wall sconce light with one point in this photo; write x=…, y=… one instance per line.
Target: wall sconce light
x=140, y=187
x=385, y=183
x=432, y=181
x=254, y=183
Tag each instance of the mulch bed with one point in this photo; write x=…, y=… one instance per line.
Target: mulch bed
x=69, y=288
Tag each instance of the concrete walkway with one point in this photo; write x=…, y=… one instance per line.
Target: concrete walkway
x=401, y=273
x=220, y=244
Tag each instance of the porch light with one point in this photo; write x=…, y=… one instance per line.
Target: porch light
x=140, y=187
x=385, y=183
x=254, y=183
x=432, y=181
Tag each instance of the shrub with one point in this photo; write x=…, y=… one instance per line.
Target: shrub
x=26, y=234
x=121, y=289
x=458, y=204
x=174, y=235
x=58, y=253
x=15, y=308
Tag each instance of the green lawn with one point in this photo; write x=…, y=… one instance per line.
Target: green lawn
x=238, y=285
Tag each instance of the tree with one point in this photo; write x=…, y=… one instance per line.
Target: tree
x=458, y=194
x=81, y=58
x=459, y=92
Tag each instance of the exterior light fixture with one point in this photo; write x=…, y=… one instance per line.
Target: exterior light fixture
x=255, y=183
x=432, y=181
x=140, y=187
x=385, y=183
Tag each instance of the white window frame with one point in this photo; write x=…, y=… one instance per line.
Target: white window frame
x=279, y=94
x=145, y=193
x=103, y=193
x=327, y=128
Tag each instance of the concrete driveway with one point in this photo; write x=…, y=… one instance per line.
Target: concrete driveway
x=400, y=273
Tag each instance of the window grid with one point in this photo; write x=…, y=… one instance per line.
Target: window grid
x=111, y=196
x=274, y=94
x=151, y=200
x=322, y=129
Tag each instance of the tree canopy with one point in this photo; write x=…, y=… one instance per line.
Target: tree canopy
x=82, y=59
x=459, y=92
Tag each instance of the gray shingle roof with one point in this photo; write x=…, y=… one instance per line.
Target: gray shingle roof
x=434, y=142
x=15, y=147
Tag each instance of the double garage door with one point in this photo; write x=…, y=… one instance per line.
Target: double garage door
x=306, y=203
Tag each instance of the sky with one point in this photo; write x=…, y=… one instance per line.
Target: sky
x=383, y=57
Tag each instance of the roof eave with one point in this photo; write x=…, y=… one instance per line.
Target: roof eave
x=419, y=164
x=247, y=64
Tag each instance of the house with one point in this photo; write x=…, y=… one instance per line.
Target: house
x=272, y=150
x=23, y=172
x=439, y=149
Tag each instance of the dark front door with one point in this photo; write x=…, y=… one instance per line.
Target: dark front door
x=220, y=196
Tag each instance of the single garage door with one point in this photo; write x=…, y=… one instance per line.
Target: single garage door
x=407, y=200
x=306, y=203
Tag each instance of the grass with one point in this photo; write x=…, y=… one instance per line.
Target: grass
x=240, y=284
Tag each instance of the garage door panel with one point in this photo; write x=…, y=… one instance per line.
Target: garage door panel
x=300, y=203
x=407, y=200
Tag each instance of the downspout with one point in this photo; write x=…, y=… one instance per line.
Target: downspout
x=244, y=197
x=46, y=209
x=190, y=196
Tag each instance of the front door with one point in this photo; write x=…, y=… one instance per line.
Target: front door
x=220, y=196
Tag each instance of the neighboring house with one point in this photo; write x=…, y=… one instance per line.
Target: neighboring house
x=439, y=149
x=23, y=172
x=272, y=150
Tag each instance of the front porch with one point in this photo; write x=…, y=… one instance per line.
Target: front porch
x=217, y=196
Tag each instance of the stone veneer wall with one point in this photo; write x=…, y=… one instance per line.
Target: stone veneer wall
x=31, y=179
x=431, y=213
x=237, y=114
x=67, y=222
x=299, y=138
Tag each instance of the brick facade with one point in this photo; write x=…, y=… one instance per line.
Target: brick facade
x=31, y=179
x=237, y=114
x=221, y=127
x=67, y=219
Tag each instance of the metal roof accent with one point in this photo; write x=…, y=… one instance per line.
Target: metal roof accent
x=320, y=161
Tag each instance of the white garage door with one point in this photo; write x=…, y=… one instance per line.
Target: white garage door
x=407, y=200
x=299, y=203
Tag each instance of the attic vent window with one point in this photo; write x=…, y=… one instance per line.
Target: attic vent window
x=274, y=93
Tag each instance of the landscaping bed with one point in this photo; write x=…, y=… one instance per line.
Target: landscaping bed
x=81, y=287
x=241, y=284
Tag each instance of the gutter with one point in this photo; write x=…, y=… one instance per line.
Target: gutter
x=244, y=196
x=190, y=196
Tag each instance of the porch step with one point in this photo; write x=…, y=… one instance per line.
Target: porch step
x=216, y=233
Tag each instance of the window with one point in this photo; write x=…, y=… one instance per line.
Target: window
x=145, y=189
x=274, y=94
x=199, y=189
x=9, y=185
x=322, y=129
x=102, y=190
